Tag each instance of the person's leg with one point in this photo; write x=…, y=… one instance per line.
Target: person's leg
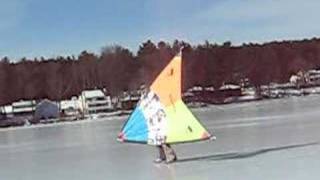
x=162, y=153
x=162, y=156
x=169, y=153
x=173, y=152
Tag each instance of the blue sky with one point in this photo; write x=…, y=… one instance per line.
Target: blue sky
x=49, y=28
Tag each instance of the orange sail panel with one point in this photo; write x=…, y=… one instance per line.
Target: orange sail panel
x=168, y=84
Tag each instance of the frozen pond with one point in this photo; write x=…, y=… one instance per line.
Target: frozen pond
x=274, y=140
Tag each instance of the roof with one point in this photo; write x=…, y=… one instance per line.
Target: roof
x=314, y=71
x=46, y=102
x=229, y=86
x=92, y=93
x=23, y=103
x=65, y=104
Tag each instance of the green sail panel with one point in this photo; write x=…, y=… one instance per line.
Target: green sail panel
x=182, y=125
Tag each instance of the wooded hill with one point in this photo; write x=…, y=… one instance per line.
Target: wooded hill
x=118, y=69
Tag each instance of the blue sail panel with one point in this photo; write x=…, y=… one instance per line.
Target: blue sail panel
x=136, y=128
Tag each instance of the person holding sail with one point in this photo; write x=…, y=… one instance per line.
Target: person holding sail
x=161, y=118
x=156, y=122
x=166, y=152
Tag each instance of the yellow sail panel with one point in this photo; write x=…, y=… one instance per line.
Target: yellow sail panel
x=168, y=83
x=182, y=126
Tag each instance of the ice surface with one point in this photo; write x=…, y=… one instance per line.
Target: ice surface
x=272, y=140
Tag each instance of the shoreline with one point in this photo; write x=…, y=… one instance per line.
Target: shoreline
x=62, y=123
x=123, y=115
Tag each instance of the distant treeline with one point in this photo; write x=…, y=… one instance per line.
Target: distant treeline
x=117, y=69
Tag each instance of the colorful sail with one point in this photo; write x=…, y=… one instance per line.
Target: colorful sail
x=161, y=116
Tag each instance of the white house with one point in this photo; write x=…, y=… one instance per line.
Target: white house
x=23, y=107
x=71, y=107
x=95, y=101
x=314, y=76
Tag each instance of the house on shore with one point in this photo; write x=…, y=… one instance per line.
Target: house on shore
x=23, y=108
x=129, y=100
x=225, y=94
x=17, y=114
x=95, y=101
x=71, y=108
x=313, y=77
